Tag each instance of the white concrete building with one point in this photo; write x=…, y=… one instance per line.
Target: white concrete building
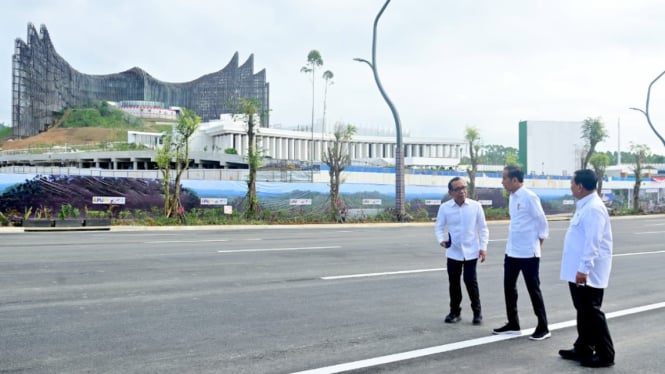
x=304, y=146
x=550, y=147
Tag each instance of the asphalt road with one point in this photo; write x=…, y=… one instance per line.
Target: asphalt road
x=290, y=299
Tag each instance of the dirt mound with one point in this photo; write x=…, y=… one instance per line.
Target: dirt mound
x=61, y=136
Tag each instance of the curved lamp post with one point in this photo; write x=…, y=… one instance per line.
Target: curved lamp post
x=646, y=111
x=399, y=151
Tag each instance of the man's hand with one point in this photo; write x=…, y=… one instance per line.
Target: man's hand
x=482, y=254
x=580, y=279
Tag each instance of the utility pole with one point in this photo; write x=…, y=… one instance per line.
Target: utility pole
x=619, y=141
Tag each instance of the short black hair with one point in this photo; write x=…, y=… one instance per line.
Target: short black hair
x=450, y=184
x=587, y=178
x=515, y=171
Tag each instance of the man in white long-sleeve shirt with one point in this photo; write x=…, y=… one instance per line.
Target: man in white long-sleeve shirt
x=527, y=231
x=585, y=264
x=466, y=242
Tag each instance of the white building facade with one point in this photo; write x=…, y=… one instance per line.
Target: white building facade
x=550, y=147
x=303, y=146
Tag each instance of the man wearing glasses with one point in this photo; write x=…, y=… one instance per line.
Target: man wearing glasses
x=466, y=242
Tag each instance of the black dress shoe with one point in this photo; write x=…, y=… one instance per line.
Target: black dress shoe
x=569, y=354
x=507, y=329
x=477, y=319
x=453, y=318
x=596, y=362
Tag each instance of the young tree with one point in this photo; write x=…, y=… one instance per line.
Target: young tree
x=176, y=150
x=599, y=161
x=248, y=110
x=314, y=61
x=337, y=158
x=495, y=154
x=593, y=132
x=472, y=136
x=327, y=77
x=512, y=159
x=641, y=152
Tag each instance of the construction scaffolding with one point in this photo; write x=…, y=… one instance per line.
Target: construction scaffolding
x=43, y=84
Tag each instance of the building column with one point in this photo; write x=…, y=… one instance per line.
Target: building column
x=270, y=146
x=283, y=147
x=237, y=144
x=291, y=150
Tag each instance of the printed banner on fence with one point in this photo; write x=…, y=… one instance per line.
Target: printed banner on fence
x=300, y=201
x=213, y=201
x=371, y=201
x=115, y=200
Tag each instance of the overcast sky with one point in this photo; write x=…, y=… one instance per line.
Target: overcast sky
x=444, y=64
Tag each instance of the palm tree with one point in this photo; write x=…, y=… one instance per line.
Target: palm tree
x=472, y=136
x=314, y=60
x=327, y=76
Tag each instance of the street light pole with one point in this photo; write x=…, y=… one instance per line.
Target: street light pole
x=399, y=151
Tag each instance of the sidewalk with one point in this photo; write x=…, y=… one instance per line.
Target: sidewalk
x=125, y=228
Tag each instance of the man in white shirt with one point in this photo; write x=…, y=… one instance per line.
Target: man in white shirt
x=527, y=231
x=466, y=242
x=585, y=264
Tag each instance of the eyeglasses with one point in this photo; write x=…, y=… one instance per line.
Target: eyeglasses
x=458, y=189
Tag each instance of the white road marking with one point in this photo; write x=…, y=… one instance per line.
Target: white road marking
x=649, y=232
x=335, y=277
x=381, y=360
x=367, y=275
x=636, y=253
x=186, y=241
x=277, y=249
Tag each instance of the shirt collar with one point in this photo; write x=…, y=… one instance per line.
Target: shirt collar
x=585, y=200
x=453, y=203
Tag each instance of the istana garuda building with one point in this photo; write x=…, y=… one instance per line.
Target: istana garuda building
x=43, y=84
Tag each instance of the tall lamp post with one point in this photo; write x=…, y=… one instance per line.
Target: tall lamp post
x=399, y=151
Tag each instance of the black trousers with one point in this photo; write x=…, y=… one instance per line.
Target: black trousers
x=455, y=270
x=592, y=332
x=530, y=268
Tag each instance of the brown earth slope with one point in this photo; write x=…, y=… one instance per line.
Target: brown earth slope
x=62, y=136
